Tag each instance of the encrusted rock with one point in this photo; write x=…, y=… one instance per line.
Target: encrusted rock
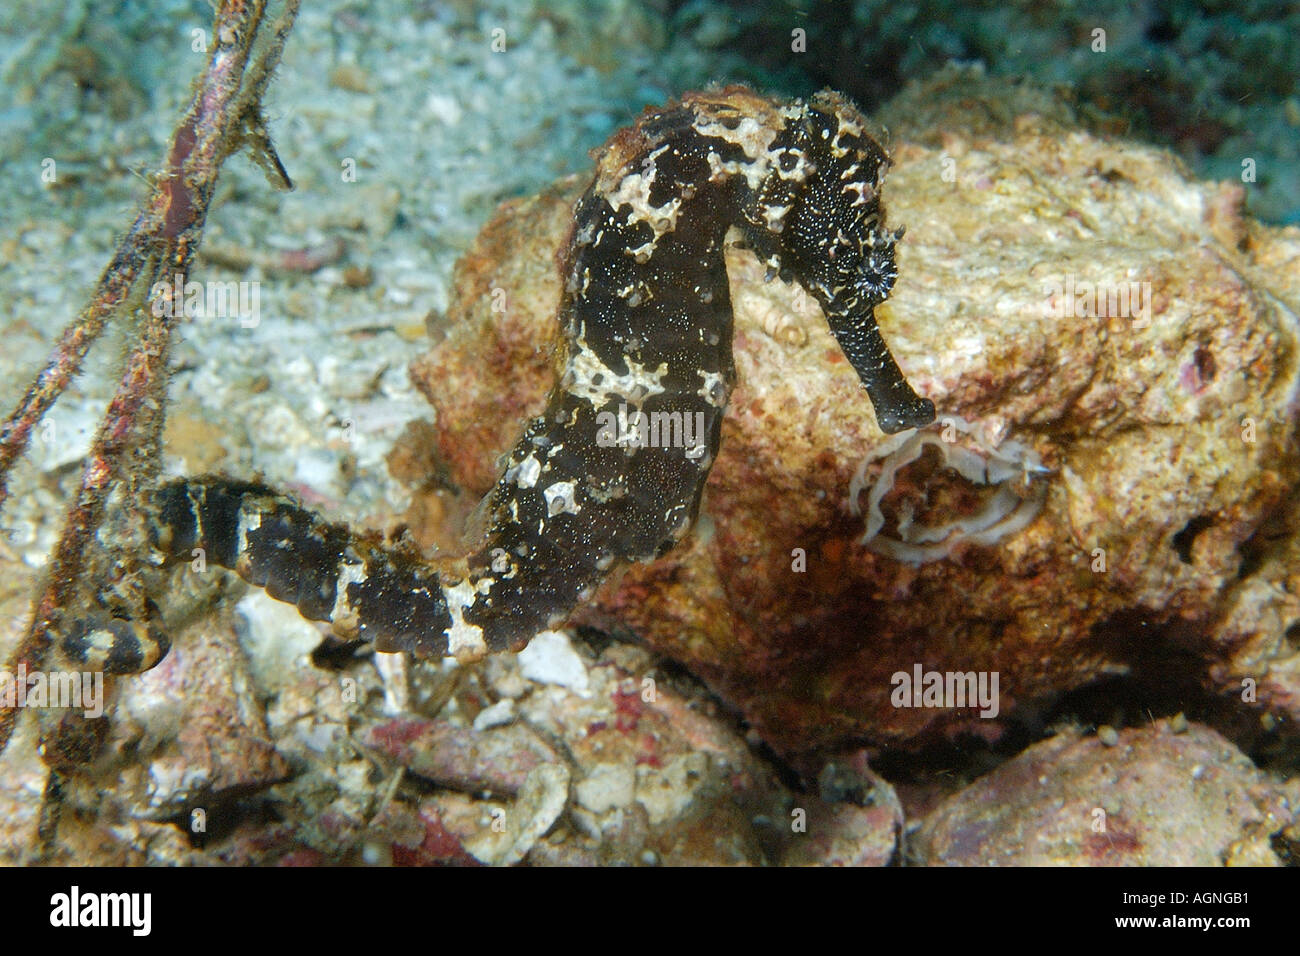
x=197, y=722
x=855, y=819
x=1129, y=328
x=464, y=758
x=1155, y=797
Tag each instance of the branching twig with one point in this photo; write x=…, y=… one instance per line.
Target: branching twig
x=160, y=245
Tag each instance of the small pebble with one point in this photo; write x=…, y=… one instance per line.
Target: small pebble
x=551, y=659
x=1108, y=735
x=502, y=712
x=350, y=77
x=358, y=277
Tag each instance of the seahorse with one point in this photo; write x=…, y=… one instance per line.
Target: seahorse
x=645, y=323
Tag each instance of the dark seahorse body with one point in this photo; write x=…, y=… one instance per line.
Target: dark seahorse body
x=646, y=323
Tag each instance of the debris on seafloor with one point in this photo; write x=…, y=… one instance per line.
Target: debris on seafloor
x=638, y=767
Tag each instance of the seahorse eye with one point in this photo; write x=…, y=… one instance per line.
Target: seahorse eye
x=877, y=275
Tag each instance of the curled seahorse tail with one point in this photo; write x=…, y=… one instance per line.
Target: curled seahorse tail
x=103, y=641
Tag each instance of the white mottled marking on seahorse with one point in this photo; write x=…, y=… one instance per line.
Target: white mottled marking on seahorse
x=754, y=138
x=464, y=641
x=98, y=646
x=714, y=390
x=754, y=172
x=774, y=216
x=250, y=519
x=525, y=473
x=845, y=127
x=344, y=616
x=589, y=378
x=561, y=499
x=634, y=192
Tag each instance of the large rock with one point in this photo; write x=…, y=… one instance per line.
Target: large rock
x=1164, y=433
x=1150, y=796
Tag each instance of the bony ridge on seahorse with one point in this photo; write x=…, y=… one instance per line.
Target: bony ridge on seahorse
x=646, y=324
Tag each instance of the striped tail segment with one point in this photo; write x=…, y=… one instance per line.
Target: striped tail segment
x=382, y=595
x=103, y=641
